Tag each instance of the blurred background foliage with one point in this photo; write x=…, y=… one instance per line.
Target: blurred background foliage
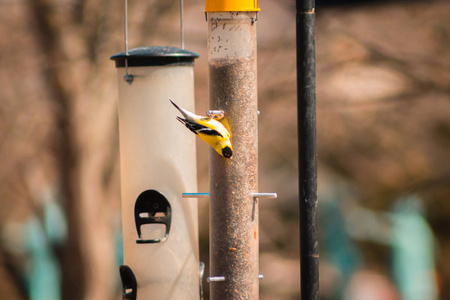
x=383, y=135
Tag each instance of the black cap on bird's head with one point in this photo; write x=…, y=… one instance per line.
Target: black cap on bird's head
x=227, y=152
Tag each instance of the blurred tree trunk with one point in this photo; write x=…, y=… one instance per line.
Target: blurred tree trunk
x=70, y=36
x=65, y=145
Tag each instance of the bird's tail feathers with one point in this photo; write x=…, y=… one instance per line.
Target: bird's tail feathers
x=189, y=125
x=188, y=115
x=177, y=107
x=182, y=121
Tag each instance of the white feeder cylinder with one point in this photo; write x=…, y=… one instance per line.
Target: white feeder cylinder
x=158, y=164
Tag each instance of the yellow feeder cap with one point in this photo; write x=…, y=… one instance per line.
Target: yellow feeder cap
x=231, y=5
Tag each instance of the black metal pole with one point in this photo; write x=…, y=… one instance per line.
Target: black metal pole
x=306, y=105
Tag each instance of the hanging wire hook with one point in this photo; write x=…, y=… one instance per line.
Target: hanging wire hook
x=128, y=78
x=181, y=24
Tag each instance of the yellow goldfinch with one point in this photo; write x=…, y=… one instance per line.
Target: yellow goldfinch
x=208, y=129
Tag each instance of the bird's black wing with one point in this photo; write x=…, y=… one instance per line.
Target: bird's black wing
x=209, y=131
x=198, y=128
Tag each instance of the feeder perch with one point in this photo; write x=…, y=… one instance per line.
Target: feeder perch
x=152, y=208
x=129, y=284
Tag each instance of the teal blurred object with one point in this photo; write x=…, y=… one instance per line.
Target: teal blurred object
x=119, y=246
x=34, y=242
x=42, y=271
x=54, y=223
x=337, y=246
x=412, y=251
x=404, y=229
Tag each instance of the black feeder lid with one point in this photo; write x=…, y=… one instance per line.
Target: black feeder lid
x=155, y=56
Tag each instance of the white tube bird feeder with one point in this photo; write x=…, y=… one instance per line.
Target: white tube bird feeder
x=158, y=163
